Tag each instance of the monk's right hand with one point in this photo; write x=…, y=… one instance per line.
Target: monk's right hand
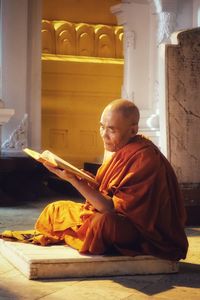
x=63, y=174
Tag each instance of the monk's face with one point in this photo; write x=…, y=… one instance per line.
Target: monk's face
x=115, y=130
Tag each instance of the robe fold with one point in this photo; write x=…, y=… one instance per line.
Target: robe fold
x=149, y=214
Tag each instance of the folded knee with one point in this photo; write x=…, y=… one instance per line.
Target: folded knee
x=103, y=218
x=104, y=223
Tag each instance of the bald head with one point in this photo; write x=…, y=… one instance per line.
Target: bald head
x=119, y=124
x=128, y=109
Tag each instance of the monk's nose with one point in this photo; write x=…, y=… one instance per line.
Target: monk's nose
x=104, y=133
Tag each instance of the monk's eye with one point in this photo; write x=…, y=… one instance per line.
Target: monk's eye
x=101, y=127
x=112, y=130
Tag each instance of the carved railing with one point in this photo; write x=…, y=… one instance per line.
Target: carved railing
x=66, y=38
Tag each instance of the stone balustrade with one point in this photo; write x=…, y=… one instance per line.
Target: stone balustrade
x=66, y=38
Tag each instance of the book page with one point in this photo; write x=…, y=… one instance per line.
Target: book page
x=61, y=163
x=36, y=155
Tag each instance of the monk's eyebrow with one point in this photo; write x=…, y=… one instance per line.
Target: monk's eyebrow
x=109, y=127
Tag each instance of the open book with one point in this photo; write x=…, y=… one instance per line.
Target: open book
x=56, y=161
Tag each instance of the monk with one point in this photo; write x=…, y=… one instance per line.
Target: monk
x=137, y=208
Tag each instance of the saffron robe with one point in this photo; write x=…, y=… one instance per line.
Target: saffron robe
x=149, y=212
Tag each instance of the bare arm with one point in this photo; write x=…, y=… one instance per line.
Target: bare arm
x=101, y=203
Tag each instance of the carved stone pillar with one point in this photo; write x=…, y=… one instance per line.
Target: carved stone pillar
x=167, y=15
x=18, y=139
x=128, y=86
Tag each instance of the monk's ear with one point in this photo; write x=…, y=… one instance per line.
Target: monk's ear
x=134, y=129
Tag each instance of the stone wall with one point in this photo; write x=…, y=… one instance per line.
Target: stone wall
x=183, y=105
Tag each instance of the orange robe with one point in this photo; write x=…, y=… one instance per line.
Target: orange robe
x=149, y=212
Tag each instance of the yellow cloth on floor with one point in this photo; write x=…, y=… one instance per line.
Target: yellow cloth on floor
x=28, y=236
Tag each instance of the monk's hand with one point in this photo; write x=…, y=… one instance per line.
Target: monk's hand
x=63, y=174
x=89, y=173
x=94, y=185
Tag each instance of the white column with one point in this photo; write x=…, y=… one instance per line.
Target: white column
x=128, y=87
x=139, y=84
x=135, y=19
x=21, y=71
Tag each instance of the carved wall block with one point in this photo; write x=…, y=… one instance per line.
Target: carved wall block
x=48, y=37
x=65, y=38
x=85, y=39
x=104, y=41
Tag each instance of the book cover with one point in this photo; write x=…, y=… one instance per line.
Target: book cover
x=56, y=161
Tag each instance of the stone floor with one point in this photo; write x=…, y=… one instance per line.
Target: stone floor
x=13, y=285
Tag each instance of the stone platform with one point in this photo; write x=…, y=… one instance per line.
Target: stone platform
x=61, y=261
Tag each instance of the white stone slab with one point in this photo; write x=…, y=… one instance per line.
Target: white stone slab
x=61, y=261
